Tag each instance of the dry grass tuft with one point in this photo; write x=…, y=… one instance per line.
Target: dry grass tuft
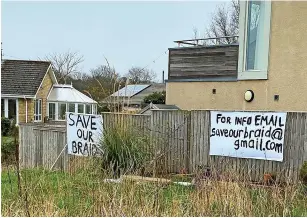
x=83, y=193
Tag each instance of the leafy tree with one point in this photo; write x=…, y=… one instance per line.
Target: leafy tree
x=155, y=98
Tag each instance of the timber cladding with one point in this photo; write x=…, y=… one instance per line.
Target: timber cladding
x=203, y=62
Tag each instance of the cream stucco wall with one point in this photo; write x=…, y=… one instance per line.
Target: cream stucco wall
x=287, y=76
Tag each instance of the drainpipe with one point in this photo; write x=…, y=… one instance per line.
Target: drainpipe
x=26, y=108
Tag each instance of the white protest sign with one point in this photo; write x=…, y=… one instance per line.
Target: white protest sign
x=84, y=134
x=253, y=135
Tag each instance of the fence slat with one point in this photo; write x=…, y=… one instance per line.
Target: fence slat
x=184, y=137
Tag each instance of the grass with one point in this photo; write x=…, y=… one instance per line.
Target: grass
x=85, y=194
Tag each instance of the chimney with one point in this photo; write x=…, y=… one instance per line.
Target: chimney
x=163, y=76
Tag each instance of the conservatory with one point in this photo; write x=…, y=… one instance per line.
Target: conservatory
x=65, y=98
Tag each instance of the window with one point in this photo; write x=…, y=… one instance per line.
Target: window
x=51, y=113
x=80, y=108
x=61, y=111
x=254, y=39
x=88, y=109
x=12, y=108
x=71, y=107
x=2, y=107
x=38, y=110
x=94, y=109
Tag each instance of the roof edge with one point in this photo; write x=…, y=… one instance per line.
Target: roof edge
x=16, y=96
x=26, y=60
x=141, y=91
x=43, y=79
x=112, y=95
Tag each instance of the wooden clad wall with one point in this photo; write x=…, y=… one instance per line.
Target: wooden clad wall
x=203, y=62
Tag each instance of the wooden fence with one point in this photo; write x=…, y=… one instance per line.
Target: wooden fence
x=180, y=140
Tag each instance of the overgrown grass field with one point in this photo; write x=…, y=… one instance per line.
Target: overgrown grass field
x=47, y=193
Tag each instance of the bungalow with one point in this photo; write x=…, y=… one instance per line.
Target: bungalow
x=30, y=93
x=265, y=70
x=132, y=96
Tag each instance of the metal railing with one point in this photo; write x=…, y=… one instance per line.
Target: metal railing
x=209, y=41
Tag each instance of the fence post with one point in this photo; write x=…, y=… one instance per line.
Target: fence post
x=152, y=139
x=188, y=132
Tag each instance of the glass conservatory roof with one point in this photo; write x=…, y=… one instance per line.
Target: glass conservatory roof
x=129, y=90
x=67, y=93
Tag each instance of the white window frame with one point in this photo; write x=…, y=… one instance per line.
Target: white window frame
x=55, y=111
x=58, y=112
x=83, y=104
x=91, y=108
x=94, y=108
x=35, y=112
x=67, y=110
x=244, y=74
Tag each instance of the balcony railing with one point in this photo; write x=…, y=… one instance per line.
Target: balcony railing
x=209, y=41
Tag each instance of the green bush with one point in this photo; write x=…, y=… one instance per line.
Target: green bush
x=124, y=151
x=303, y=173
x=7, y=150
x=5, y=126
x=155, y=98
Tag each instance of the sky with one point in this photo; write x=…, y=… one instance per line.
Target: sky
x=128, y=34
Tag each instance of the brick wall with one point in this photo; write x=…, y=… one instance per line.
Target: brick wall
x=22, y=110
x=41, y=94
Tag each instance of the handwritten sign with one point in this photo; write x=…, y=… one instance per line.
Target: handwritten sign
x=84, y=134
x=248, y=135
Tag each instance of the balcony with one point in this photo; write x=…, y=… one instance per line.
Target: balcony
x=209, y=59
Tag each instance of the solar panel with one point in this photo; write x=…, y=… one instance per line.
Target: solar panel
x=129, y=90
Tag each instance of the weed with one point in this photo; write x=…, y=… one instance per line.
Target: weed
x=85, y=194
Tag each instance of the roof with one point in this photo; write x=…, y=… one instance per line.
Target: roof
x=67, y=93
x=130, y=90
x=159, y=107
x=22, y=77
x=134, y=94
x=164, y=107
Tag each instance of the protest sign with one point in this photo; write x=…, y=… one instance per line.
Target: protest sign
x=84, y=134
x=248, y=134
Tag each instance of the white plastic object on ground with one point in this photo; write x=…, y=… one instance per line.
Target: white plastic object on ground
x=183, y=183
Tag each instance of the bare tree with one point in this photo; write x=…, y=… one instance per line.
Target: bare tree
x=195, y=33
x=138, y=75
x=66, y=64
x=224, y=22
x=235, y=12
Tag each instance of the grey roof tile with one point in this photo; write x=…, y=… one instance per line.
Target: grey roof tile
x=22, y=77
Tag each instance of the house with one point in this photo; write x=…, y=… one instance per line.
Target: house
x=265, y=70
x=132, y=96
x=148, y=109
x=30, y=93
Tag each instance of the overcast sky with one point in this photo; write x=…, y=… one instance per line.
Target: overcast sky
x=127, y=33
